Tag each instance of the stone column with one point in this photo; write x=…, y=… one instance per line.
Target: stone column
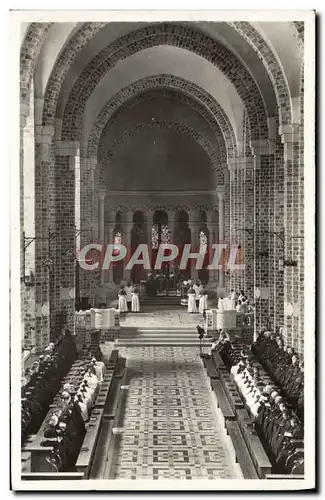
x=263, y=152
x=27, y=227
x=67, y=166
x=110, y=240
x=149, y=223
x=290, y=141
x=195, y=242
x=87, y=226
x=102, y=196
x=221, y=195
x=172, y=225
x=213, y=239
x=127, y=236
x=45, y=220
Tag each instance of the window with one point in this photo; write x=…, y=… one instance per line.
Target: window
x=154, y=236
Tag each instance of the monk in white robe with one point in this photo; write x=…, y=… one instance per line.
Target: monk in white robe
x=135, y=303
x=203, y=301
x=191, y=306
x=232, y=297
x=122, y=304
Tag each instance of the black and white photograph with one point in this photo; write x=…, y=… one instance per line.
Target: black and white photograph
x=162, y=275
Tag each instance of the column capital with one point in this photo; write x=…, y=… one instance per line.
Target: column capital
x=67, y=148
x=289, y=137
x=262, y=147
x=102, y=195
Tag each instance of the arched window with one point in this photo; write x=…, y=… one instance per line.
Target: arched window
x=155, y=236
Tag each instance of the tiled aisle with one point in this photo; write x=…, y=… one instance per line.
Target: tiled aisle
x=170, y=426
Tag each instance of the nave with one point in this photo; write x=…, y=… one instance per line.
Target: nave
x=170, y=428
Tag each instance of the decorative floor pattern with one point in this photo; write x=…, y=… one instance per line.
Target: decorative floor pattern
x=170, y=430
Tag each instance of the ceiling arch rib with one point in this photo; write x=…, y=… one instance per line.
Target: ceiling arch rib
x=219, y=31
x=166, y=34
x=166, y=60
x=210, y=109
x=30, y=48
x=94, y=36
x=272, y=65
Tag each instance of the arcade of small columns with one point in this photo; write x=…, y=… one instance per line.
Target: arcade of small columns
x=213, y=222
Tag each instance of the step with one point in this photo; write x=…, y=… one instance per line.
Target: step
x=132, y=343
x=169, y=329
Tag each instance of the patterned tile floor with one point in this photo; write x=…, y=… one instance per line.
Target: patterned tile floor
x=170, y=429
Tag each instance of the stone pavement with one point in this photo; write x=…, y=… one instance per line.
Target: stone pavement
x=171, y=429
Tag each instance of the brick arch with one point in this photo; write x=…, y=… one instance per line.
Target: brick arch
x=155, y=35
x=208, y=108
x=210, y=148
x=32, y=44
x=272, y=66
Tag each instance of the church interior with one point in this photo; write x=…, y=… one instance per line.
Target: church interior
x=158, y=133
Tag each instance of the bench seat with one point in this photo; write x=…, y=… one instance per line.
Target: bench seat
x=86, y=454
x=257, y=452
x=241, y=451
x=112, y=359
x=211, y=369
x=51, y=476
x=284, y=476
x=120, y=368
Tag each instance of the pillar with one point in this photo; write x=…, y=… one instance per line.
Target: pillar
x=263, y=152
x=149, y=222
x=213, y=239
x=221, y=196
x=127, y=237
x=290, y=141
x=102, y=196
x=195, y=242
x=67, y=166
x=172, y=225
x=45, y=220
x=110, y=240
x=87, y=225
x=27, y=223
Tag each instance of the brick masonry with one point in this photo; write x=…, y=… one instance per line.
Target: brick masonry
x=264, y=187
